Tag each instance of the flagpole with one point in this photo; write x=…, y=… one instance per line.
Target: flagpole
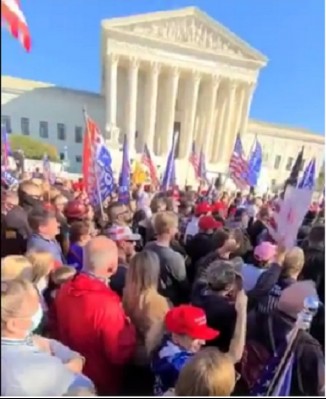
x=93, y=161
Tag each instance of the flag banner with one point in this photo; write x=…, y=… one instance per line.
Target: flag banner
x=295, y=171
x=289, y=213
x=8, y=179
x=148, y=162
x=124, y=178
x=255, y=164
x=194, y=160
x=238, y=167
x=139, y=175
x=97, y=169
x=47, y=174
x=169, y=177
x=5, y=148
x=14, y=19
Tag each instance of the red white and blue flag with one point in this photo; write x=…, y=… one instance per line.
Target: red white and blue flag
x=97, y=169
x=238, y=167
x=146, y=159
x=14, y=19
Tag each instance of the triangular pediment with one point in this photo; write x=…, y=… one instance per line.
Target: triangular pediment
x=188, y=27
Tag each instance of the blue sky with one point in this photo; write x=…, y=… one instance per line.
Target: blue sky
x=66, y=40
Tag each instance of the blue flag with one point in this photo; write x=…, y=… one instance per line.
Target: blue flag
x=308, y=178
x=202, y=167
x=255, y=165
x=168, y=179
x=5, y=147
x=124, y=178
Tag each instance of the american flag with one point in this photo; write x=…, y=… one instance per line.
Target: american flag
x=14, y=19
x=194, y=160
x=146, y=159
x=238, y=167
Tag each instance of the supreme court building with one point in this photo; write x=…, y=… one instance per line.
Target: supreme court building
x=163, y=72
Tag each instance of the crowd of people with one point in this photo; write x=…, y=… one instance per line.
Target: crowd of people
x=172, y=294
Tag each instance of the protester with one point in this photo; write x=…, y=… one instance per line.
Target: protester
x=201, y=209
x=79, y=236
x=99, y=330
x=16, y=266
x=34, y=366
x=173, y=277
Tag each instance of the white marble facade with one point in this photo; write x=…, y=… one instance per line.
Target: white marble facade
x=177, y=71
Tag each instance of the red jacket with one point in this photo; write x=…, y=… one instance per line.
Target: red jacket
x=90, y=320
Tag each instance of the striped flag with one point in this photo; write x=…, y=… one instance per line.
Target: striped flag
x=97, y=170
x=194, y=160
x=202, y=171
x=13, y=17
x=146, y=159
x=238, y=167
x=124, y=178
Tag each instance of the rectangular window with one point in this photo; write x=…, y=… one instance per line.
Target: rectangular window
x=61, y=131
x=78, y=158
x=44, y=129
x=62, y=156
x=24, y=124
x=273, y=183
x=277, y=161
x=78, y=134
x=289, y=163
x=265, y=158
x=6, y=122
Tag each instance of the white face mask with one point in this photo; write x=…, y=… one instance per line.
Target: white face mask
x=42, y=285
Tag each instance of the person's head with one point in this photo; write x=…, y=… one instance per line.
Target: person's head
x=264, y=254
x=60, y=202
x=241, y=216
x=208, y=373
x=225, y=243
x=62, y=274
x=187, y=325
x=76, y=210
x=42, y=263
x=264, y=214
x=203, y=208
x=44, y=222
x=186, y=207
x=292, y=298
x=222, y=277
x=11, y=199
x=142, y=276
x=101, y=257
x=21, y=311
x=225, y=197
x=158, y=204
x=166, y=224
x=316, y=237
x=293, y=263
x=16, y=266
x=124, y=238
x=119, y=214
x=80, y=233
x=29, y=191
x=207, y=224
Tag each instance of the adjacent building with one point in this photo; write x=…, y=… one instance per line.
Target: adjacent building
x=165, y=72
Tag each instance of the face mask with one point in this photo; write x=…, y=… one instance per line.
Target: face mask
x=36, y=319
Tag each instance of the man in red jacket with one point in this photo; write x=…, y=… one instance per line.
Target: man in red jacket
x=90, y=318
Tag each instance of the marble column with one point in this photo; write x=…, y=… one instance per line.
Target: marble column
x=189, y=133
x=174, y=75
x=250, y=89
x=152, y=105
x=111, y=94
x=214, y=85
x=219, y=132
x=228, y=135
x=132, y=103
x=240, y=107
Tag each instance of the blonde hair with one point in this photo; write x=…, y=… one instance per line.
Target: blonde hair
x=208, y=373
x=42, y=263
x=13, y=295
x=16, y=266
x=293, y=262
x=143, y=304
x=142, y=275
x=62, y=275
x=164, y=222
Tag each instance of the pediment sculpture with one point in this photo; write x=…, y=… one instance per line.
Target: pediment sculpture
x=188, y=31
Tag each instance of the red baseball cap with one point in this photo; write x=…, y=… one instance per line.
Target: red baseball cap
x=209, y=223
x=191, y=321
x=202, y=208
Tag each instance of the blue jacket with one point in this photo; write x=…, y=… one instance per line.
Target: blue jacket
x=166, y=364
